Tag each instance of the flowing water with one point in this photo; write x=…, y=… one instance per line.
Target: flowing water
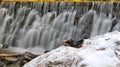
x=45, y=25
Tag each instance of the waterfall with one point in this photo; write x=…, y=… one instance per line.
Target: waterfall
x=45, y=25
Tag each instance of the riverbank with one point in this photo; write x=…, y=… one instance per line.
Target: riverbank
x=15, y=57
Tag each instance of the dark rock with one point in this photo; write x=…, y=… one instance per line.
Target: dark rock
x=3, y=46
x=117, y=42
x=2, y=64
x=29, y=56
x=73, y=43
x=46, y=51
x=15, y=60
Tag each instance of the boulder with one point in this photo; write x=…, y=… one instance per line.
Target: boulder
x=99, y=51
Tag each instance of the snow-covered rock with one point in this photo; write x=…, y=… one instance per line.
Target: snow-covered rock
x=99, y=51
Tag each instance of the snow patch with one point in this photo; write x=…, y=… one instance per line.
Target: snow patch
x=99, y=51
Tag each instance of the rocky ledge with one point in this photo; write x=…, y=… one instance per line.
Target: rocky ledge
x=15, y=57
x=99, y=51
x=15, y=60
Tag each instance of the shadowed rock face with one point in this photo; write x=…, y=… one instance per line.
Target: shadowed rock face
x=95, y=52
x=3, y=46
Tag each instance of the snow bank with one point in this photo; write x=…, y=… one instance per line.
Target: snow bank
x=99, y=51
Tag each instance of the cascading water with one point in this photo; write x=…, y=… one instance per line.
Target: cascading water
x=46, y=25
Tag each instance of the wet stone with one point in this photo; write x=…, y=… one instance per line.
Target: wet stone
x=2, y=64
x=29, y=56
x=11, y=60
